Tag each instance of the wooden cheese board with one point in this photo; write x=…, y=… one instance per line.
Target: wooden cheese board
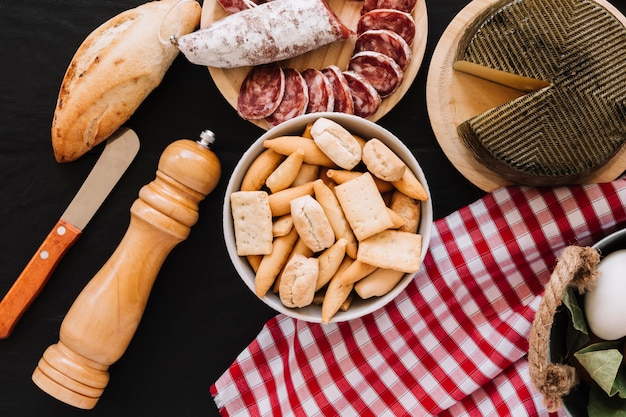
x=228, y=81
x=453, y=97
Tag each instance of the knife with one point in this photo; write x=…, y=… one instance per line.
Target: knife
x=117, y=155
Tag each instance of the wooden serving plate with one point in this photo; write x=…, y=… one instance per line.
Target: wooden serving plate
x=453, y=97
x=228, y=81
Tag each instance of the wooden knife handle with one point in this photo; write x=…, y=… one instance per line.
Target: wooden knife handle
x=35, y=275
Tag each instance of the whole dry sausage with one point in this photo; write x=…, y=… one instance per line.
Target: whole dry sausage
x=269, y=32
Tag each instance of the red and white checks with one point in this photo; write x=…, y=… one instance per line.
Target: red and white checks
x=454, y=343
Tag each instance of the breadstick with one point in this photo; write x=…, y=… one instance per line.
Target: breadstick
x=254, y=261
x=286, y=145
x=329, y=262
x=411, y=186
x=282, y=225
x=345, y=306
x=409, y=209
x=307, y=131
x=260, y=169
x=397, y=220
x=360, y=140
x=280, y=202
x=335, y=215
x=341, y=175
x=378, y=283
x=284, y=175
x=336, y=294
x=382, y=162
x=307, y=173
x=355, y=272
x=272, y=264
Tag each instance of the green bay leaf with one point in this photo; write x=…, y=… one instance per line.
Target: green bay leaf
x=602, y=365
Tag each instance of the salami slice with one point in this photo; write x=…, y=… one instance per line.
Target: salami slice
x=295, y=99
x=406, y=6
x=379, y=69
x=261, y=91
x=365, y=97
x=385, y=42
x=341, y=90
x=394, y=20
x=321, y=97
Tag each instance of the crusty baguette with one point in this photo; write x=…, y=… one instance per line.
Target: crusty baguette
x=114, y=70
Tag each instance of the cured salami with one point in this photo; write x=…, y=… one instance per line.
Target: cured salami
x=402, y=5
x=295, y=98
x=385, y=42
x=341, y=90
x=379, y=69
x=394, y=20
x=261, y=92
x=269, y=32
x=364, y=96
x=321, y=97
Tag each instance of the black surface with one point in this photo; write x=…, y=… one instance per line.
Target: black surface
x=199, y=315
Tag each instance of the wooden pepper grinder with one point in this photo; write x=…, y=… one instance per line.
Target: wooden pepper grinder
x=102, y=321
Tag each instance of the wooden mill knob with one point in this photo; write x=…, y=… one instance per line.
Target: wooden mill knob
x=102, y=321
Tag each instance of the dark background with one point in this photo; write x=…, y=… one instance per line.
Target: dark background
x=199, y=315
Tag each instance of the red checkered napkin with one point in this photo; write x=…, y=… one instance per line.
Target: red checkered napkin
x=454, y=343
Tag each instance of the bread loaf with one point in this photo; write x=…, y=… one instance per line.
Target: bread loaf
x=114, y=70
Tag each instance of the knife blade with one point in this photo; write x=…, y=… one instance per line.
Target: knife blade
x=119, y=151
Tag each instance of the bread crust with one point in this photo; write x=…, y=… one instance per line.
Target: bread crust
x=113, y=71
x=311, y=222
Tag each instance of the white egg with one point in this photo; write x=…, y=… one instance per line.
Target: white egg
x=605, y=303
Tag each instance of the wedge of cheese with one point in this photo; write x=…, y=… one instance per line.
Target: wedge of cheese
x=569, y=55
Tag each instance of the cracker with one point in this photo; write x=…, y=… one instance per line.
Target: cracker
x=363, y=206
x=392, y=249
x=252, y=220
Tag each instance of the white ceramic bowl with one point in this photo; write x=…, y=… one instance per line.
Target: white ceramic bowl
x=358, y=126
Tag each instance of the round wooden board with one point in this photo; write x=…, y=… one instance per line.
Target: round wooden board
x=228, y=81
x=453, y=97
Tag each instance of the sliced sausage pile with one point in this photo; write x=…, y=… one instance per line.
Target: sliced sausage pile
x=382, y=52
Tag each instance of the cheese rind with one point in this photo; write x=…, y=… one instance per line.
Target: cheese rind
x=564, y=131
